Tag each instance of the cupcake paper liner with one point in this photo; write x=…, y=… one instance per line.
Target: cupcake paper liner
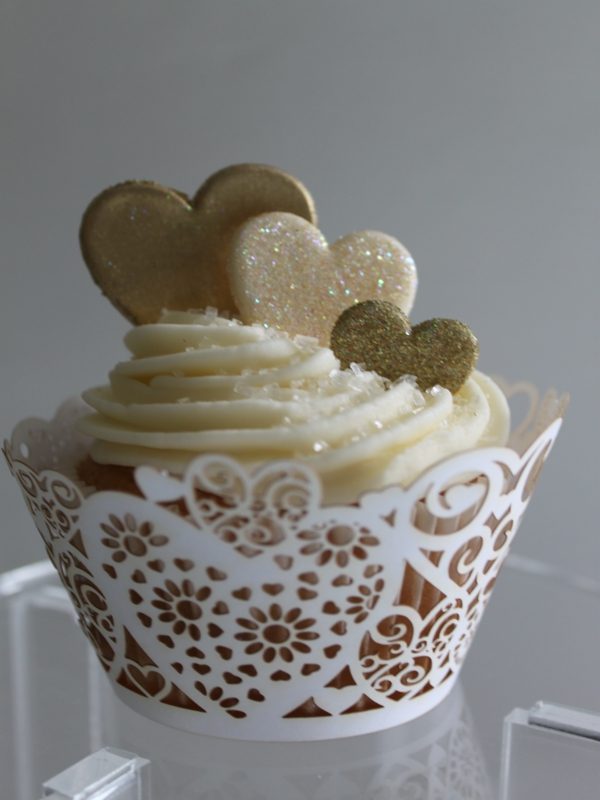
x=237, y=605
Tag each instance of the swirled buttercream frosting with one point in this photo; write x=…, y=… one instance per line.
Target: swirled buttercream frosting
x=199, y=383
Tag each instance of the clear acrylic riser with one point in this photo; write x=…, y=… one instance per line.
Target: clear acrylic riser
x=538, y=641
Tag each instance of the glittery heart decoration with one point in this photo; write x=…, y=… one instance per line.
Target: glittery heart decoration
x=149, y=247
x=378, y=335
x=284, y=275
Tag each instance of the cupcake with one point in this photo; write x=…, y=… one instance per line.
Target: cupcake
x=283, y=518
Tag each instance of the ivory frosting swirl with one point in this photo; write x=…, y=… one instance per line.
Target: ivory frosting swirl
x=200, y=383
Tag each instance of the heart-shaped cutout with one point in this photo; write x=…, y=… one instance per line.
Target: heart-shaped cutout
x=284, y=275
x=152, y=682
x=149, y=247
x=379, y=336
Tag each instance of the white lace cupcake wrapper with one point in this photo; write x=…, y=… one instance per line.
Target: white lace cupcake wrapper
x=261, y=614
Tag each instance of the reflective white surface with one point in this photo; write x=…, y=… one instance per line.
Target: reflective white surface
x=536, y=642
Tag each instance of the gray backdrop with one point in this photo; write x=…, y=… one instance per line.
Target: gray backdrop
x=467, y=129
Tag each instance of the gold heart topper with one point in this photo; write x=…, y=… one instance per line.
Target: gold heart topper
x=284, y=275
x=378, y=335
x=149, y=247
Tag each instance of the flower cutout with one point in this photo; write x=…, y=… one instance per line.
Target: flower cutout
x=180, y=604
x=125, y=537
x=340, y=542
x=275, y=633
x=365, y=600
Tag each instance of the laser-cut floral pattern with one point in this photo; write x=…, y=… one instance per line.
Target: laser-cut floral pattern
x=262, y=609
x=126, y=538
x=340, y=542
x=276, y=634
x=181, y=604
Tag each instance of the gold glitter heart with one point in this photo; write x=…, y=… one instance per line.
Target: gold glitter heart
x=150, y=248
x=378, y=335
x=284, y=275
